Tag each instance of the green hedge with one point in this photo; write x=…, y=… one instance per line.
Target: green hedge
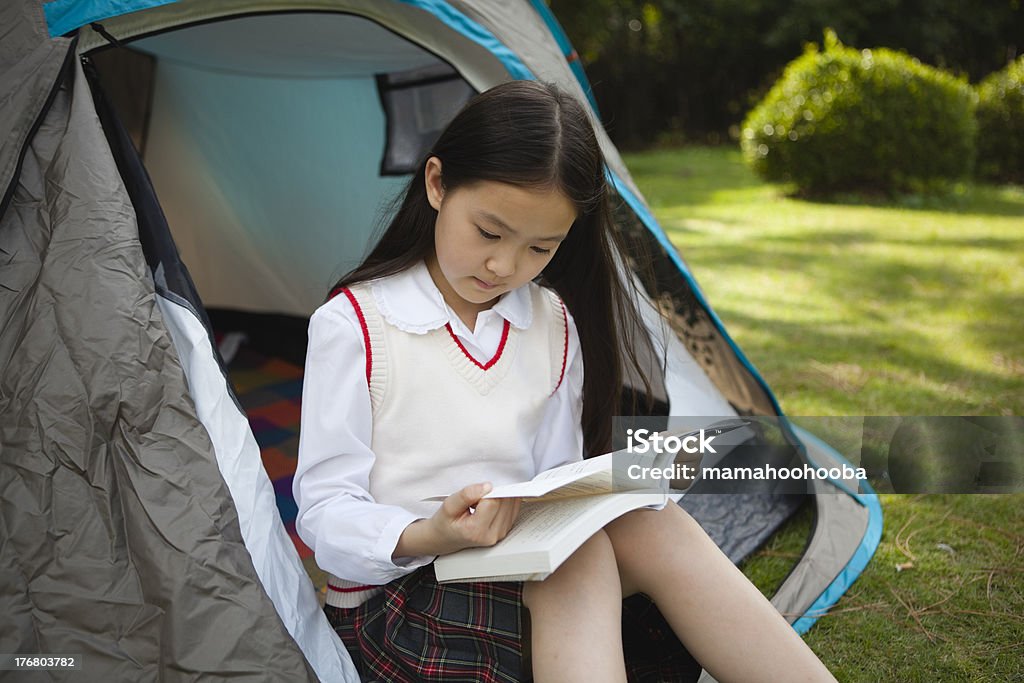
x=871, y=120
x=1001, y=124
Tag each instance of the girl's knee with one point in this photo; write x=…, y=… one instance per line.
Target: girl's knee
x=590, y=570
x=650, y=540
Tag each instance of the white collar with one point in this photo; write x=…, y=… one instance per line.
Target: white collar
x=411, y=301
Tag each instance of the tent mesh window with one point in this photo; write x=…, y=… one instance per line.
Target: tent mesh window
x=688, y=317
x=418, y=104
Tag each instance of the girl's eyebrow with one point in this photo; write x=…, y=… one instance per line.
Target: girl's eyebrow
x=491, y=218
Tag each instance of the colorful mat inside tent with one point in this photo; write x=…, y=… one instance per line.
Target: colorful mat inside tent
x=270, y=391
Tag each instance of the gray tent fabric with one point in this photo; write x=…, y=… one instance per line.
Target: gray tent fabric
x=29, y=64
x=118, y=538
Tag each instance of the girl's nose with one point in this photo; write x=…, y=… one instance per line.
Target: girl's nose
x=502, y=265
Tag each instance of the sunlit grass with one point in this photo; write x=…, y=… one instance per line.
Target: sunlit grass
x=911, y=307
x=860, y=307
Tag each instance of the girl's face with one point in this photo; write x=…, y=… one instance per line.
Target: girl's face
x=491, y=238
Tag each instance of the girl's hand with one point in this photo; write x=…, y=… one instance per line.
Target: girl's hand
x=454, y=526
x=490, y=520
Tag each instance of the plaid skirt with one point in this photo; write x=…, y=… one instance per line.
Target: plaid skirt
x=419, y=630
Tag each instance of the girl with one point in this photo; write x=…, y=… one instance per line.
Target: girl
x=453, y=359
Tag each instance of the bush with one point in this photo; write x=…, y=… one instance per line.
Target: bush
x=1001, y=124
x=870, y=120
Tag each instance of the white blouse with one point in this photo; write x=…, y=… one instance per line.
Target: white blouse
x=351, y=535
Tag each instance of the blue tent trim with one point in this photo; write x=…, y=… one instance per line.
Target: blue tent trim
x=64, y=16
x=861, y=557
x=475, y=32
x=571, y=56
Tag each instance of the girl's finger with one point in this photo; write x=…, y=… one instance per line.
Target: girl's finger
x=486, y=512
x=467, y=497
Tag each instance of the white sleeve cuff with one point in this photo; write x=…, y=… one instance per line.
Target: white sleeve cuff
x=388, y=541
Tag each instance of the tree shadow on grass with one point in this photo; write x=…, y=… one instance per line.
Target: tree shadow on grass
x=887, y=295
x=933, y=381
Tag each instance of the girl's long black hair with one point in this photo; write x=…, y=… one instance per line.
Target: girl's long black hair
x=532, y=134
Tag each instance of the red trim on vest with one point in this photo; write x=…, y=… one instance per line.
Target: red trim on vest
x=565, y=347
x=497, y=355
x=352, y=589
x=366, y=332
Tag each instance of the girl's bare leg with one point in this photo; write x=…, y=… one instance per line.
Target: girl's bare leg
x=576, y=618
x=724, y=621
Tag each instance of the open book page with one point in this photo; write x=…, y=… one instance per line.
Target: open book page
x=542, y=526
x=602, y=474
x=585, y=477
x=545, y=526
x=544, y=535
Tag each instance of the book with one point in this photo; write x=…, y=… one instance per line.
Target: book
x=563, y=507
x=543, y=537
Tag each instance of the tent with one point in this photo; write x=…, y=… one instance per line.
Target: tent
x=255, y=141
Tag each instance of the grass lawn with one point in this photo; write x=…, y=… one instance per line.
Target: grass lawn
x=909, y=307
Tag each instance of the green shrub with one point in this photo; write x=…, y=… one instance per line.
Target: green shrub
x=869, y=120
x=1001, y=124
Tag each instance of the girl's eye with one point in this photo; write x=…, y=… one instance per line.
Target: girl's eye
x=487, y=235
x=541, y=250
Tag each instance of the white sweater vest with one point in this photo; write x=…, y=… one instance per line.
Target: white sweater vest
x=443, y=420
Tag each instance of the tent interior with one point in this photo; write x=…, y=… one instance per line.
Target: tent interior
x=264, y=138
x=274, y=143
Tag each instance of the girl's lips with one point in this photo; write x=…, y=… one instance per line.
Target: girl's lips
x=483, y=284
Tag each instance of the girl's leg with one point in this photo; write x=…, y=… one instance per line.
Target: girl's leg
x=576, y=618
x=721, y=618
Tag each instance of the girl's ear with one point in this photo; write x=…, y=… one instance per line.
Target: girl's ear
x=434, y=183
